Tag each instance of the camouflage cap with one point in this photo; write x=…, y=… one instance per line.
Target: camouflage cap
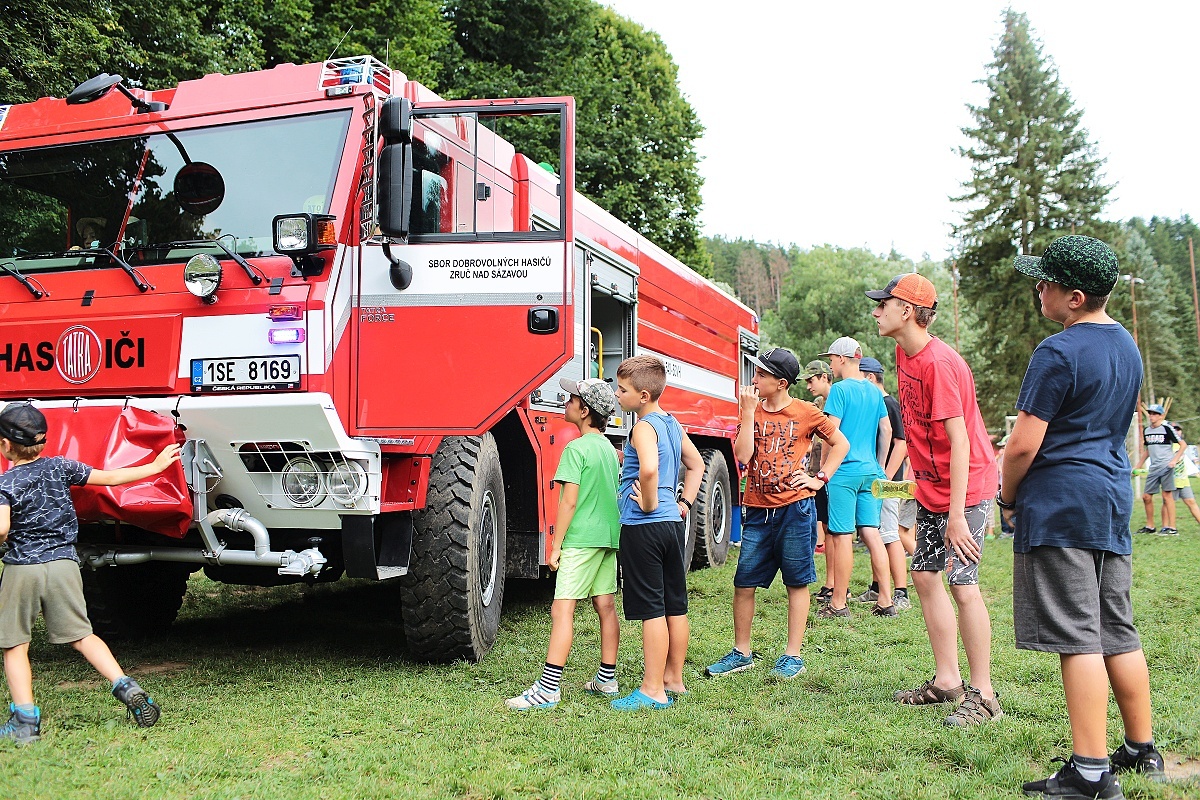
x=815, y=368
x=595, y=394
x=1076, y=262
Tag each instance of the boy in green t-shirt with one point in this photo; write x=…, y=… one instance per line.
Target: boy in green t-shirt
x=584, y=551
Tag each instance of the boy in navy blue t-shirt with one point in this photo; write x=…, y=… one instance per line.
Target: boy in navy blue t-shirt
x=41, y=569
x=1066, y=475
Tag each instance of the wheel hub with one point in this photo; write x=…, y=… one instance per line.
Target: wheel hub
x=487, y=556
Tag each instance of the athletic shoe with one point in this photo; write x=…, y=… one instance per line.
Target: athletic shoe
x=884, y=611
x=1068, y=783
x=869, y=596
x=1145, y=529
x=974, y=710
x=735, y=661
x=824, y=595
x=22, y=728
x=901, y=601
x=1148, y=761
x=829, y=612
x=1165, y=531
x=602, y=688
x=534, y=698
x=141, y=705
x=788, y=666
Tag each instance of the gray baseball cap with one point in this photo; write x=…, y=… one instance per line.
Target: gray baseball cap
x=595, y=394
x=846, y=346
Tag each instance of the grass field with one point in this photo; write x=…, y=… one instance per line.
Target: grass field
x=306, y=693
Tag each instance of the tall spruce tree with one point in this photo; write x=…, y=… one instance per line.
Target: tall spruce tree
x=1034, y=176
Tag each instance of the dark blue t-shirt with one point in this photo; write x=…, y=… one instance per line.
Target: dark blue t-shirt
x=43, y=525
x=1084, y=383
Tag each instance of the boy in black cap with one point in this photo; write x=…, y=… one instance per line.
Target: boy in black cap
x=41, y=570
x=1071, y=554
x=779, y=517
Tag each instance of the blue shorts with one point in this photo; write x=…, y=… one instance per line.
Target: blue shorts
x=777, y=540
x=851, y=504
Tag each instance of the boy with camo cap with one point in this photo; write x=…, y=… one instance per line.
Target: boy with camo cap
x=584, y=549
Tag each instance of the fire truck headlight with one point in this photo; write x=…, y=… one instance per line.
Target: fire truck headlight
x=301, y=482
x=347, y=482
x=202, y=276
x=291, y=234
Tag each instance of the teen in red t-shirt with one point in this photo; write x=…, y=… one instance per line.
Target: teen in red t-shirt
x=951, y=457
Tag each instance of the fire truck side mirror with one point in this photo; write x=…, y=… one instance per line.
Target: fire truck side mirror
x=93, y=89
x=395, y=190
x=395, y=120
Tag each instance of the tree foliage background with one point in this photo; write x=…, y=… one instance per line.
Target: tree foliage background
x=635, y=132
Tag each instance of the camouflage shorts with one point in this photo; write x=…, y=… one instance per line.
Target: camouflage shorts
x=931, y=552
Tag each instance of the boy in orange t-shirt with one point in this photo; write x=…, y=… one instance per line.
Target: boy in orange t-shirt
x=779, y=515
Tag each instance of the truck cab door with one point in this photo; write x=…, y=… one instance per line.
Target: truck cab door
x=465, y=304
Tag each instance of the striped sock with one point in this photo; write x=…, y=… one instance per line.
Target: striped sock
x=1090, y=769
x=1135, y=748
x=551, y=678
x=606, y=673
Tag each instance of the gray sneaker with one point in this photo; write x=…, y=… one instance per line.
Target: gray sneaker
x=140, y=704
x=21, y=728
x=901, y=601
x=869, y=596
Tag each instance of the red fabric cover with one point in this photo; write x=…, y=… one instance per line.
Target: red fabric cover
x=110, y=437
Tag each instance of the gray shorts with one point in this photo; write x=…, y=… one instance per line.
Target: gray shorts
x=55, y=590
x=1161, y=481
x=908, y=514
x=932, y=555
x=889, y=520
x=1072, y=601
x=1185, y=492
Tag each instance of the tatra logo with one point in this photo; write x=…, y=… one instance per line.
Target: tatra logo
x=78, y=354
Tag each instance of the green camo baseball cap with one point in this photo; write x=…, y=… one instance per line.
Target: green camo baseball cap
x=1077, y=262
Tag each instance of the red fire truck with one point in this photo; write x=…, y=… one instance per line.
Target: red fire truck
x=352, y=301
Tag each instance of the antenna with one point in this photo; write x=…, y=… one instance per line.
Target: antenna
x=339, y=44
x=387, y=53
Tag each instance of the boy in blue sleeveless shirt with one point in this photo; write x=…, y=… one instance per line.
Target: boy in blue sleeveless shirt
x=652, y=530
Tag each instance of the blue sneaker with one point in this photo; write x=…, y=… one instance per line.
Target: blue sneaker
x=141, y=705
x=788, y=666
x=734, y=662
x=21, y=728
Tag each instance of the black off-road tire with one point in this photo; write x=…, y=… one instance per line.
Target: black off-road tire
x=135, y=601
x=453, y=593
x=712, y=513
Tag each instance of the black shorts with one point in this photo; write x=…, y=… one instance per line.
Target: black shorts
x=652, y=565
x=822, y=498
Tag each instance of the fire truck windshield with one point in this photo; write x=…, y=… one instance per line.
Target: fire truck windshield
x=57, y=203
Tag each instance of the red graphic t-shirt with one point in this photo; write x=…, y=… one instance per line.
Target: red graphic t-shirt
x=937, y=385
x=781, y=441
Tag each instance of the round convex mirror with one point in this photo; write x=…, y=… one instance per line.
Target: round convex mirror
x=202, y=276
x=199, y=188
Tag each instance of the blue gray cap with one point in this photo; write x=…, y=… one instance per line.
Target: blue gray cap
x=869, y=364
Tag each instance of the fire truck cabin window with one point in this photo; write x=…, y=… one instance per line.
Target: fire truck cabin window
x=121, y=193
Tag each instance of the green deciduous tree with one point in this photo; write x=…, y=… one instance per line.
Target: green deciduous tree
x=1035, y=175
x=635, y=133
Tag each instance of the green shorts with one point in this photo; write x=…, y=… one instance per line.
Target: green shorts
x=585, y=572
x=55, y=589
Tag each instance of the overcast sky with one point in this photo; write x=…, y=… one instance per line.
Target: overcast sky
x=839, y=122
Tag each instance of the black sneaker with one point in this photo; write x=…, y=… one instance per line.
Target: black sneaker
x=1145, y=529
x=1148, y=761
x=145, y=711
x=21, y=728
x=1165, y=531
x=1068, y=783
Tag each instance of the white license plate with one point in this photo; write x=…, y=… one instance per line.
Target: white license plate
x=244, y=374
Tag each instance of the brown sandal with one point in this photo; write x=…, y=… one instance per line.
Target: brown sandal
x=927, y=694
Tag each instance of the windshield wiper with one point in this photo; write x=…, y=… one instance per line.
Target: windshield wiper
x=255, y=276
x=38, y=291
x=138, y=280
